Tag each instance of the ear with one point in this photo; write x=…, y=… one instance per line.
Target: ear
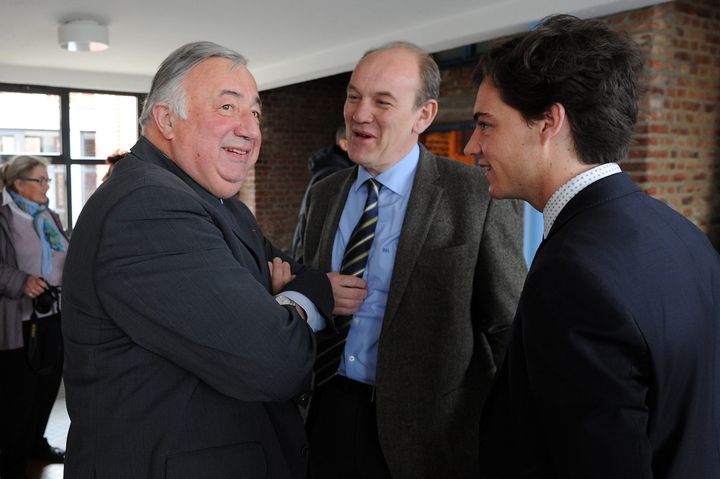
x=427, y=114
x=554, y=122
x=163, y=117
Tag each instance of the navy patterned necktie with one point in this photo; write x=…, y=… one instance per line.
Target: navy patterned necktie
x=358, y=246
x=354, y=261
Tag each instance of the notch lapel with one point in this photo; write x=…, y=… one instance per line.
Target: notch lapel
x=244, y=227
x=422, y=206
x=334, y=208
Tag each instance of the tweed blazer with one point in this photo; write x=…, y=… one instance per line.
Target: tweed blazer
x=456, y=281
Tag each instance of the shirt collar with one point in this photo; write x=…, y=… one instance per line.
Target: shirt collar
x=398, y=178
x=566, y=192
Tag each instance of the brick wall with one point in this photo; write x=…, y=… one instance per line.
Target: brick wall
x=457, y=94
x=297, y=120
x=676, y=155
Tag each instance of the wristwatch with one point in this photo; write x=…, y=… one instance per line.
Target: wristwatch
x=284, y=300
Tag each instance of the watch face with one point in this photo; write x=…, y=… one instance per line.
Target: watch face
x=284, y=300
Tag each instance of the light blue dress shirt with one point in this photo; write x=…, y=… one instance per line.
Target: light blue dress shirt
x=314, y=320
x=360, y=358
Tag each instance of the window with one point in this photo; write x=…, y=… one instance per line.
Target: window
x=87, y=144
x=76, y=130
x=7, y=143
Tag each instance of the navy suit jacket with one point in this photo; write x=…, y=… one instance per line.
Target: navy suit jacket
x=179, y=363
x=614, y=366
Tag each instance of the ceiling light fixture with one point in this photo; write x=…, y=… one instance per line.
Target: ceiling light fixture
x=83, y=36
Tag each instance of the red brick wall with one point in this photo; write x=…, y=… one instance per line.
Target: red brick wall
x=676, y=155
x=457, y=95
x=297, y=120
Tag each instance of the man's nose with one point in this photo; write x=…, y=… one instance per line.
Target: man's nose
x=362, y=113
x=248, y=125
x=472, y=148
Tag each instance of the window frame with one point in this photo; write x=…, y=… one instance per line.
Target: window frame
x=65, y=158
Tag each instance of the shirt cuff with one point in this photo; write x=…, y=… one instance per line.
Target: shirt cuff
x=314, y=319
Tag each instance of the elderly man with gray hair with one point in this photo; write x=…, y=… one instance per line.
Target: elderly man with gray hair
x=180, y=361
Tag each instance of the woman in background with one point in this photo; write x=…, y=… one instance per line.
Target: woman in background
x=32, y=252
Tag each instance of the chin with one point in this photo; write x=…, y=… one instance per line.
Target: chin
x=357, y=152
x=362, y=160
x=496, y=192
x=226, y=193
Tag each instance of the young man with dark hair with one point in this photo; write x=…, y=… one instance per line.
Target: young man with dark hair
x=614, y=366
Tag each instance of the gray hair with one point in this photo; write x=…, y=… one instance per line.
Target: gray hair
x=167, y=84
x=18, y=167
x=429, y=71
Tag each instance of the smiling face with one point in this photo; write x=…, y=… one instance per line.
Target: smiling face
x=506, y=147
x=382, y=121
x=33, y=190
x=219, y=142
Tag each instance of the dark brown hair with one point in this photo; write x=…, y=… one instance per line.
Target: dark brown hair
x=583, y=65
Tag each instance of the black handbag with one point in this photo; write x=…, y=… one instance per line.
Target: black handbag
x=44, y=350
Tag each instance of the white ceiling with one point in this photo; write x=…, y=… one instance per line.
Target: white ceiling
x=286, y=41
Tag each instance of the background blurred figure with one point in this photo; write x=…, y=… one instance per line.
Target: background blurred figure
x=111, y=160
x=32, y=252
x=323, y=163
x=614, y=366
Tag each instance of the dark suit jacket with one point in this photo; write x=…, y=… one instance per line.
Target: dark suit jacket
x=614, y=366
x=455, y=285
x=179, y=363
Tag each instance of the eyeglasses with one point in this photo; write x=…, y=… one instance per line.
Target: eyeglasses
x=43, y=181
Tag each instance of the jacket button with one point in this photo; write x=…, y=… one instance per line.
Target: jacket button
x=304, y=451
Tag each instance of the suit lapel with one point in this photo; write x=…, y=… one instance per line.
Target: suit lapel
x=334, y=207
x=422, y=205
x=245, y=228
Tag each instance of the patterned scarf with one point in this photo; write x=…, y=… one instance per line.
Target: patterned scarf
x=45, y=227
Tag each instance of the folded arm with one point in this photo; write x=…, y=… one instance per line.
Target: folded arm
x=167, y=278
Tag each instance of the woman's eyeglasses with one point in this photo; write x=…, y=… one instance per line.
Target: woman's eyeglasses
x=42, y=181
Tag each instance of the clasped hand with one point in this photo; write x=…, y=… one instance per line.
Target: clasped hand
x=280, y=275
x=34, y=286
x=349, y=292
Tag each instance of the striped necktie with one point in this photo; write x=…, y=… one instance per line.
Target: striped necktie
x=357, y=251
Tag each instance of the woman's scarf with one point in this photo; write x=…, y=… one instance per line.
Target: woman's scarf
x=45, y=227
